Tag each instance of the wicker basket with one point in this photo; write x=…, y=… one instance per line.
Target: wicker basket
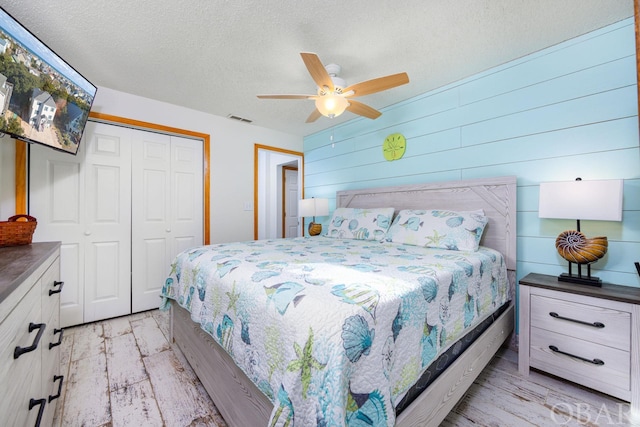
x=14, y=232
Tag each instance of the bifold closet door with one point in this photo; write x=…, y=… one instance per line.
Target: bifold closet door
x=84, y=201
x=107, y=232
x=56, y=198
x=167, y=210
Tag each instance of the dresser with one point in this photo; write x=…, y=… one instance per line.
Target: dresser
x=30, y=334
x=587, y=335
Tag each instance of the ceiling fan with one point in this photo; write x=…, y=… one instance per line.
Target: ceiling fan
x=334, y=97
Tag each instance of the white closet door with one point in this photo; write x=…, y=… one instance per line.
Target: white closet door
x=107, y=222
x=84, y=201
x=56, y=199
x=166, y=212
x=187, y=195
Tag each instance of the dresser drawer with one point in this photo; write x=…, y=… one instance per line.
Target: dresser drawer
x=28, y=315
x=19, y=376
x=599, y=325
x=612, y=376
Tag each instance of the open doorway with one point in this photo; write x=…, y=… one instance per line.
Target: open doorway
x=270, y=164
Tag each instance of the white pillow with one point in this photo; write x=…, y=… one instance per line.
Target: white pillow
x=439, y=228
x=360, y=224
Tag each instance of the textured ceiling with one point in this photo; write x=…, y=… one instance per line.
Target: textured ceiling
x=217, y=55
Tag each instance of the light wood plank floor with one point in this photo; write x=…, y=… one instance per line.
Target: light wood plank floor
x=124, y=372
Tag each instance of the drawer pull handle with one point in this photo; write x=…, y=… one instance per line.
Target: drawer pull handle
x=55, y=344
x=41, y=402
x=594, y=324
x=19, y=351
x=57, y=291
x=57, y=378
x=594, y=361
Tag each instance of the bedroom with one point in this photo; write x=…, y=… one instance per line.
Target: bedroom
x=597, y=127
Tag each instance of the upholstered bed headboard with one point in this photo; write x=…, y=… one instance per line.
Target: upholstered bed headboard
x=496, y=196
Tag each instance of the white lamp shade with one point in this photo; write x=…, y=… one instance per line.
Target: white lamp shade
x=331, y=105
x=313, y=207
x=582, y=200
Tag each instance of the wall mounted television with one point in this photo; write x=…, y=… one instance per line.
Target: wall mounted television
x=43, y=99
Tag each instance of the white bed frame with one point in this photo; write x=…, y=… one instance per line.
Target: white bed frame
x=242, y=404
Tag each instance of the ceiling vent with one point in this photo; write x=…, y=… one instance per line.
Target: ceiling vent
x=240, y=119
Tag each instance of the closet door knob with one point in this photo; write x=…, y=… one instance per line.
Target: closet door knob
x=168, y=230
x=87, y=233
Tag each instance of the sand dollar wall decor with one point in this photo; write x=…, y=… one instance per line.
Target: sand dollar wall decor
x=394, y=146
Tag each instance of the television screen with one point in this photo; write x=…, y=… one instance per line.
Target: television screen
x=42, y=98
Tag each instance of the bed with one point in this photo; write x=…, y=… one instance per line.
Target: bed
x=361, y=333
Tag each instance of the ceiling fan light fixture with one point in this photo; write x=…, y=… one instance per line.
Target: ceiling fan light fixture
x=333, y=94
x=331, y=105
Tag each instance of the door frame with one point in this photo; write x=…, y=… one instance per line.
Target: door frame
x=295, y=155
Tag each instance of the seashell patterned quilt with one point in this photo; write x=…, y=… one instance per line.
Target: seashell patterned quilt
x=335, y=331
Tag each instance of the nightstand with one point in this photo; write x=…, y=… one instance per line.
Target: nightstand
x=584, y=334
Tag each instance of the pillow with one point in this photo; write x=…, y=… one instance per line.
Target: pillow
x=439, y=228
x=360, y=224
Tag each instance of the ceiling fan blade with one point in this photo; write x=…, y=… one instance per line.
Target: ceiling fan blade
x=363, y=110
x=315, y=115
x=317, y=70
x=286, y=96
x=377, y=85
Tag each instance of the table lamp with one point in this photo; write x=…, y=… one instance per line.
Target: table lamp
x=599, y=200
x=313, y=207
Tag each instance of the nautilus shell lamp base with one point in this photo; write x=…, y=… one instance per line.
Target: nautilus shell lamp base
x=573, y=246
x=315, y=228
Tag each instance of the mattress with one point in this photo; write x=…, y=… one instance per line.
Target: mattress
x=446, y=358
x=336, y=331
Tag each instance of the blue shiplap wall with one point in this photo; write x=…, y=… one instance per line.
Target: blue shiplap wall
x=567, y=111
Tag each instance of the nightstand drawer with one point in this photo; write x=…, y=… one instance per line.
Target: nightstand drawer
x=603, y=326
x=610, y=373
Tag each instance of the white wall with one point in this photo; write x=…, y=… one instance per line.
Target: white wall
x=231, y=163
